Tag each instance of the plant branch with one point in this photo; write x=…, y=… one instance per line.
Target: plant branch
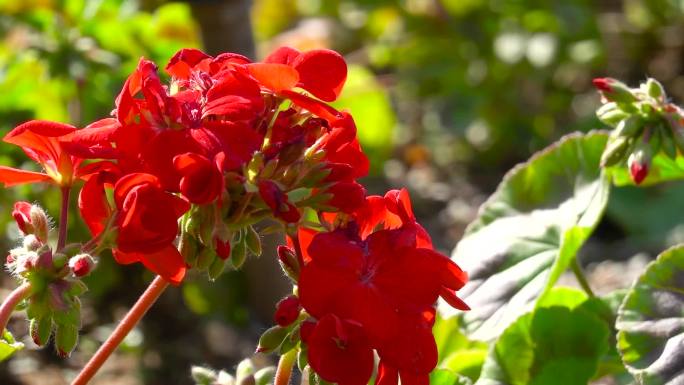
x=146, y=300
x=64, y=218
x=12, y=300
x=581, y=278
x=284, y=371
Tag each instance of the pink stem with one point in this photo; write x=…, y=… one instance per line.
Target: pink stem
x=8, y=305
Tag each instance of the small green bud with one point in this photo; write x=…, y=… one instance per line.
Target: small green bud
x=610, y=114
x=206, y=257
x=244, y=370
x=614, y=90
x=271, y=339
x=668, y=144
x=216, y=268
x=265, y=375
x=615, y=151
x=269, y=169
x=225, y=378
x=66, y=337
x=629, y=127
x=203, y=376
x=188, y=249
x=238, y=254
x=40, y=330
x=654, y=89
x=253, y=241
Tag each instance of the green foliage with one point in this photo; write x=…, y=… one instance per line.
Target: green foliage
x=560, y=342
x=651, y=322
x=529, y=231
x=8, y=346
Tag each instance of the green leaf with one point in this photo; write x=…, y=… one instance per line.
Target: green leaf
x=662, y=169
x=650, y=322
x=529, y=231
x=8, y=346
x=457, y=353
x=553, y=345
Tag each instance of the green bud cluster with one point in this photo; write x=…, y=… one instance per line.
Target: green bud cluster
x=245, y=374
x=644, y=125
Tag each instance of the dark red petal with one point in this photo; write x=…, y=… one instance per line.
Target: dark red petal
x=128, y=182
x=181, y=64
x=314, y=106
x=93, y=205
x=168, y=263
x=321, y=72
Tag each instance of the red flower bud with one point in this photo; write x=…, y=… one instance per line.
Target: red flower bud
x=222, y=248
x=602, y=84
x=278, y=202
x=287, y=311
x=22, y=216
x=81, y=264
x=288, y=261
x=638, y=171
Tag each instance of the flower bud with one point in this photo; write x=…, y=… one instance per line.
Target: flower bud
x=610, y=114
x=614, y=90
x=265, y=375
x=639, y=162
x=32, y=243
x=287, y=310
x=22, y=216
x=253, y=241
x=222, y=248
x=40, y=330
x=205, y=258
x=40, y=222
x=615, y=151
x=289, y=262
x=654, y=89
x=216, y=268
x=271, y=339
x=238, y=254
x=224, y=378
x=245, y=372
x=66, y=337
x=203, y=376
x=81, y=264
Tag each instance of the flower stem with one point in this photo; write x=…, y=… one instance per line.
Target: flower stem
x=579, y=274
x=131, y=319
x=63, y=218
x=8, y=305
x=284, y=371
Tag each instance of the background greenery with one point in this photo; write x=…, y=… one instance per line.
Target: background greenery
x=447, y=94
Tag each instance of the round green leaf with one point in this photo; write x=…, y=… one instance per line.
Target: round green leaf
x=553, y=345
x=650, y=322
x=529, y=231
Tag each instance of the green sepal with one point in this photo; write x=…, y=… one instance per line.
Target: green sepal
x=272, y=339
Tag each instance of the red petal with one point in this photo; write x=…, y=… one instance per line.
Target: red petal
x=312, y=105
x=451, y=298
x=12, y=176
x=321, y=72
x=92, y=202
x=283, y=55
x=275, y=77
x=128, y=182
x=183, y=61
x=167, y=263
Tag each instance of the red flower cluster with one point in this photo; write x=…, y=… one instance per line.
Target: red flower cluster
x=180, y=172
x=375, y=289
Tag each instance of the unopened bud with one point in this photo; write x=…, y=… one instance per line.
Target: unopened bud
x=31, y=242
x=203, y=376
x=244, y=374
x=629, y=127
x=253, y=241
x=610, y=114
x=668, y=144
x=188, y=249
x=40, y=222
x=614, y=90
x=222, y=248
x=22, y=215
x=205, y=258
x=216, y=268
x=40, y=330
x=287, y=310
x=265, y=375
x=66, y=337
x=271, y=339
x=654, y=89
x=289, y=262
x=225, y=378
x=639, y=162
x=238, y=254
x=81, y=265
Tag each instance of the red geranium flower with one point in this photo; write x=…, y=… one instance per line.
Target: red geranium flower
x=338, y=350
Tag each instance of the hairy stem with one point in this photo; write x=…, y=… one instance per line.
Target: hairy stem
x=579, y=274
x=12, y=300
x=284, y=371
x=64, y=218
x=146, y=300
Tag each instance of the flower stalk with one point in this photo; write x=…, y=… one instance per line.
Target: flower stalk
x=285, y=365
x=11, y=302
x=146, y=300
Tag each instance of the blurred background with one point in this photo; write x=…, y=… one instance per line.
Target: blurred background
x=447, y=95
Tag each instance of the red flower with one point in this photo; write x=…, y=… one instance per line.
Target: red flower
x=146, y=221
x=40, y=140
x=22, y=215
x=201, y=181
x=338, y=350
